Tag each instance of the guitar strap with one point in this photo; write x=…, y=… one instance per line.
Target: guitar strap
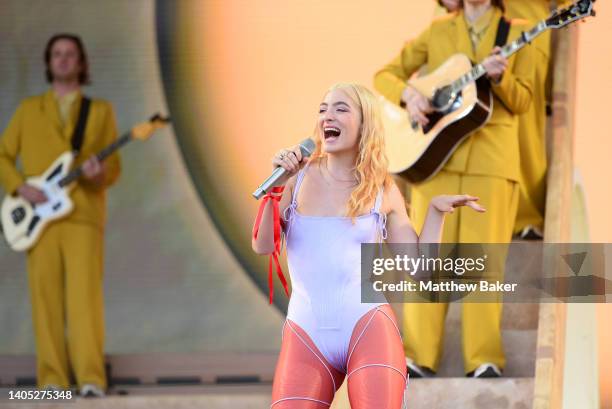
x=503, y=29
x=79, y=129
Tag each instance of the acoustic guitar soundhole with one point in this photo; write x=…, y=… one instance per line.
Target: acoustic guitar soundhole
x=442, y=97
x=436, y=116
x=18, y=215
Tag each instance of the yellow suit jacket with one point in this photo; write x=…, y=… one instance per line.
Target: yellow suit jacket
x=532, y=125
x=37, y=137
x=533, y=11
x=493, y=150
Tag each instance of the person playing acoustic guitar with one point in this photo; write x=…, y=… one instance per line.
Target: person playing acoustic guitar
x=532, y=124
x=65, y=266
x=486, y=164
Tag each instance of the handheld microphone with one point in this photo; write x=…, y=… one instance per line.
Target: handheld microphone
x=307, y=147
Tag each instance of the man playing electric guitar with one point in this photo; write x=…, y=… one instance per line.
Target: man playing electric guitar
x=486, y=164
x=65, y=266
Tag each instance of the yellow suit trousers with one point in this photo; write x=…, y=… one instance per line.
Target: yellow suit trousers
x=481, y=322
x=65, y=270
x=532, y=148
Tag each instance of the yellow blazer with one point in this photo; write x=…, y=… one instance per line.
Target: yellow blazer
x=36, y=136
x=532, y=125
x=533, y=11
x=493, y=150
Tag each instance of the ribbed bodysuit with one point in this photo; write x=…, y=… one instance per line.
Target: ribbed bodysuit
x=324, y=255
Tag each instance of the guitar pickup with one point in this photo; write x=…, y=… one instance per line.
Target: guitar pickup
x=33, y=224
x=18, y=214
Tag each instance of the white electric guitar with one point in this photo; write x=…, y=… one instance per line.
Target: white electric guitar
x=23, y=223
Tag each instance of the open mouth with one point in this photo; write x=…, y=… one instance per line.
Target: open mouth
x=331, y=133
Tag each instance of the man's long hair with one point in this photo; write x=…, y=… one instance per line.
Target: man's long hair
x=84, y=74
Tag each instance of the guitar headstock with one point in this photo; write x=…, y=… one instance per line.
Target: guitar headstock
x=575, y=11
x=144, y=130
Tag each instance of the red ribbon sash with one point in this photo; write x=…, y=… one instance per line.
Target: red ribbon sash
x=275, y=195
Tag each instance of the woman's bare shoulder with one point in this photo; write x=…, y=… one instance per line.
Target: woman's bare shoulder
x=393, y=199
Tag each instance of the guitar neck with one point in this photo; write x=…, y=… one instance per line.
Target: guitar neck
x=479, y=70
x=102, y=155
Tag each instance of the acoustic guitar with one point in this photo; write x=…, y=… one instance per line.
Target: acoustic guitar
x=462, y=102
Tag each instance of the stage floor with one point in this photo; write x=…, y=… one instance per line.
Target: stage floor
x=440, y=393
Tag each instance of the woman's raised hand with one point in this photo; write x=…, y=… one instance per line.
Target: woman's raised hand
x=448, y=203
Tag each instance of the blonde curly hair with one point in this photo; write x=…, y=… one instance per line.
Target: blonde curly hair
x=371, y=164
